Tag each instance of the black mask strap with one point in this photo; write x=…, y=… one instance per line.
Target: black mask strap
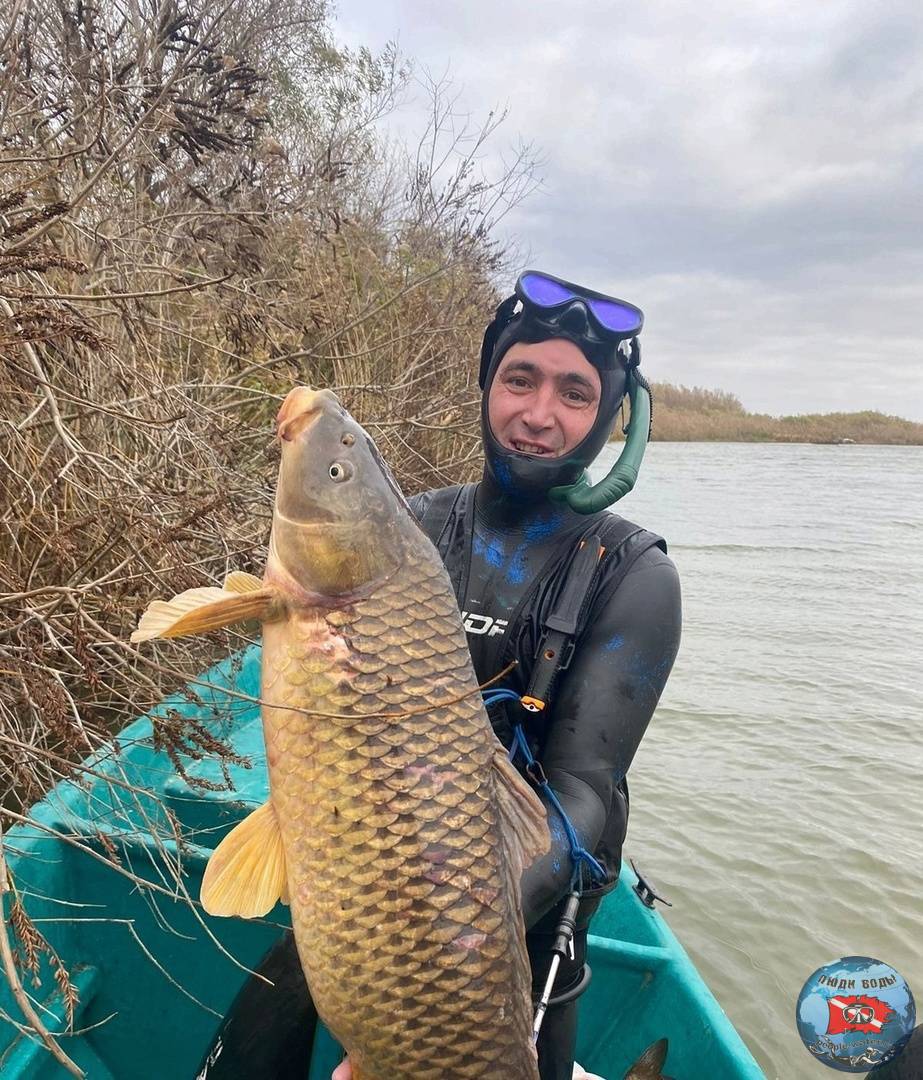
x=501, y=320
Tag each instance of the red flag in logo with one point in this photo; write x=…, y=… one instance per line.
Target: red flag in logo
x=858, y=1012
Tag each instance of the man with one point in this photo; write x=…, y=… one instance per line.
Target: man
x=554, y=371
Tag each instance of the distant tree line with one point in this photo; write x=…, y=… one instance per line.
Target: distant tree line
x=682, y=414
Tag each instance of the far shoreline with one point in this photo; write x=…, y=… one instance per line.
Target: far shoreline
x=763, y=442
x=681, y=414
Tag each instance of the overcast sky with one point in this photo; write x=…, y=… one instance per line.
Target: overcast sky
x=748, y=173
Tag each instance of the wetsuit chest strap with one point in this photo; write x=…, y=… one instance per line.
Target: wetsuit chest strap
x=561, y=627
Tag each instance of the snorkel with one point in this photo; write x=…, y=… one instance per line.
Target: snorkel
x=587, y=498
x=605, y=330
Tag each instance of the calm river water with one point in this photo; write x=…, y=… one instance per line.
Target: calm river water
x=777, y=798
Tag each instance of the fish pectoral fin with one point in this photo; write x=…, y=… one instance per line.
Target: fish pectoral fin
x=239, y=581
x=197, y=610
x=524, y=816
x=245, y=875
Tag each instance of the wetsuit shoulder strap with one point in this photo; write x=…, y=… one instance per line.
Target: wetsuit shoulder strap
x=559, y=631
x=437, y=510
x=622, y=543
x=447, y=519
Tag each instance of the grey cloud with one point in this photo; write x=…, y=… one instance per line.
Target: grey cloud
x=749, y=174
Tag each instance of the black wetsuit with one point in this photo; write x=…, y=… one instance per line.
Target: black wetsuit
x=508, y=561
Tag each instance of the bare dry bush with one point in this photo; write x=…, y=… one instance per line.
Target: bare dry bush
x=196, y=213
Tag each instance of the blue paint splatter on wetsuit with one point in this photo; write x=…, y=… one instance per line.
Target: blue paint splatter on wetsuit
x=516, y=571
x=488, y=548
x=537, y=532
x=540, y=530
x=503, y=475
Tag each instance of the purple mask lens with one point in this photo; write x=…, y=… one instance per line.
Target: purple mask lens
x=614, y=316
x=543, y=291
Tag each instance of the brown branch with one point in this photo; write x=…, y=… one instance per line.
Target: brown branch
x=120, y=296
x=376, y=309
x=62, y=431
x=91, y=406
x=180, y=69
x=67, y=154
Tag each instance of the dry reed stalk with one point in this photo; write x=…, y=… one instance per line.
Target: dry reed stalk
x=30, y=937
x=195, y=214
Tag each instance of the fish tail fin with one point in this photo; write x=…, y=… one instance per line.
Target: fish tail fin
x=197, y=610
x=650, y=1064
x=523, y=814
x=245, y=875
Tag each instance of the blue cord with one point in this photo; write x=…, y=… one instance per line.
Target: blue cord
x=500, y=695
x=503, y=694
x=578, y=852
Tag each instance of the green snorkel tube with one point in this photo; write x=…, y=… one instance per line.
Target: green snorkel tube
x=587, y=498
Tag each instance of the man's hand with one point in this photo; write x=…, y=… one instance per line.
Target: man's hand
x=343, y=1071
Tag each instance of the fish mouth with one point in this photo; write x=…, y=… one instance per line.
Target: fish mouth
x=301, y=408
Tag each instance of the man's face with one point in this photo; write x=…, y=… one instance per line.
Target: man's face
x=543, y=398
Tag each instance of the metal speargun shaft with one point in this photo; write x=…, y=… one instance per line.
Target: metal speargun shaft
x=563, y=946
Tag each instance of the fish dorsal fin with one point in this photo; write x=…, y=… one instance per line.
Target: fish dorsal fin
x=651, y=1062
x=524, y=818
x=239, y=581
x=197, y=610
x=245, y=875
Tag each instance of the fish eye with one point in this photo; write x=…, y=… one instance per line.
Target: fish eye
x=340, y=471
x=348, y=439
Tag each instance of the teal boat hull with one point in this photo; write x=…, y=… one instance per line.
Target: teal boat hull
x=155, y=975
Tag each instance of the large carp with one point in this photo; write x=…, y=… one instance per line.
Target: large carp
x=395, y=828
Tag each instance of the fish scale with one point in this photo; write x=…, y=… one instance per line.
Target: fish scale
x=370, y=793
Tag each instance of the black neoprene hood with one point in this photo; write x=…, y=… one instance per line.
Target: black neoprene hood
x=529, y=475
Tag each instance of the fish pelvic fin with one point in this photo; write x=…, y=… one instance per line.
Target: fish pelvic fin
x=524, y=819
x=198, y=610
x=245, y=875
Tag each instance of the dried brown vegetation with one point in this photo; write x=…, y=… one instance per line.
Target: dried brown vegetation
x=196, y=213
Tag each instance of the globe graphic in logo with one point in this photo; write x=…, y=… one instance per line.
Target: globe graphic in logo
x=855, y=1014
